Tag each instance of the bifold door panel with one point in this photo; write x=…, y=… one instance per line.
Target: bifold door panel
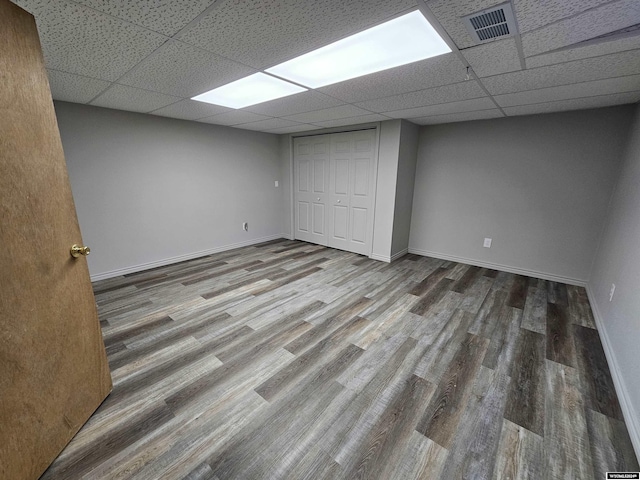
x=311, y=183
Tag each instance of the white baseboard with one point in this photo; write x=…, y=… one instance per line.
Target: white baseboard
x=504, y=268
x=381, y=258
x=630, y=416
x=181, y=258
x=401, y=253
x=389, y=259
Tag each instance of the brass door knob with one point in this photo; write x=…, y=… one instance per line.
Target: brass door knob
x=77, y=250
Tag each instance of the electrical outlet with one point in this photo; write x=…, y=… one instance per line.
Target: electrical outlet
x=613, y=290
x=487, y=243
x=277, y=184
x=245, y=226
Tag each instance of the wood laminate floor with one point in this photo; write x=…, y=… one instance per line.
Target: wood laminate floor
x=288, y=360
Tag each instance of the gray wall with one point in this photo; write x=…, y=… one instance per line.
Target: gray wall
x=618, y=261
x=286, y=174
x=388, y=151
x=538, y=185
x=152, y=190
x=405, y=181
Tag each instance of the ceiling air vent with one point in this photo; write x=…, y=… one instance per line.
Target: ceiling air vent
x=490, y=24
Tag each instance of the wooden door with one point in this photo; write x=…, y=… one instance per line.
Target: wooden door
x=53, y=368
x=352, y=191
x=311, y=185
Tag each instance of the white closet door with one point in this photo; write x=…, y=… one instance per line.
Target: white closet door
x=311, y=185
x=352, y=191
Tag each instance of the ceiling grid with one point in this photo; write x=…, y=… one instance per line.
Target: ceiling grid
x=153, y=56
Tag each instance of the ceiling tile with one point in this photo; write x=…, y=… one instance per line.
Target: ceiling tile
x=293, y=104
x=433, y=72
x=446, y=93
x=268, y=124
x=333, y=113
x=449, y=14
x=263, y=33
x=593, y=50
x=576, y=90
x=493, y=58
x=161, y=16
x=301, y=127
x=74, y=88
x=374, y=117
x=234, y=117
x=122, y=97
x=532, y=14
x=184, y=71
x=458, y=117
x=80, y=40
x=616, y=65
x=190, y=110
x=484, y=103
x=590, y=24
x=575, y=104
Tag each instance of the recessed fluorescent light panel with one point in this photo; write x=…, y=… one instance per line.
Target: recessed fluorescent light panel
x=256, y=88
x=403, y=40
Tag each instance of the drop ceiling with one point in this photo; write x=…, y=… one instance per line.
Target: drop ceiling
x=152, y=56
